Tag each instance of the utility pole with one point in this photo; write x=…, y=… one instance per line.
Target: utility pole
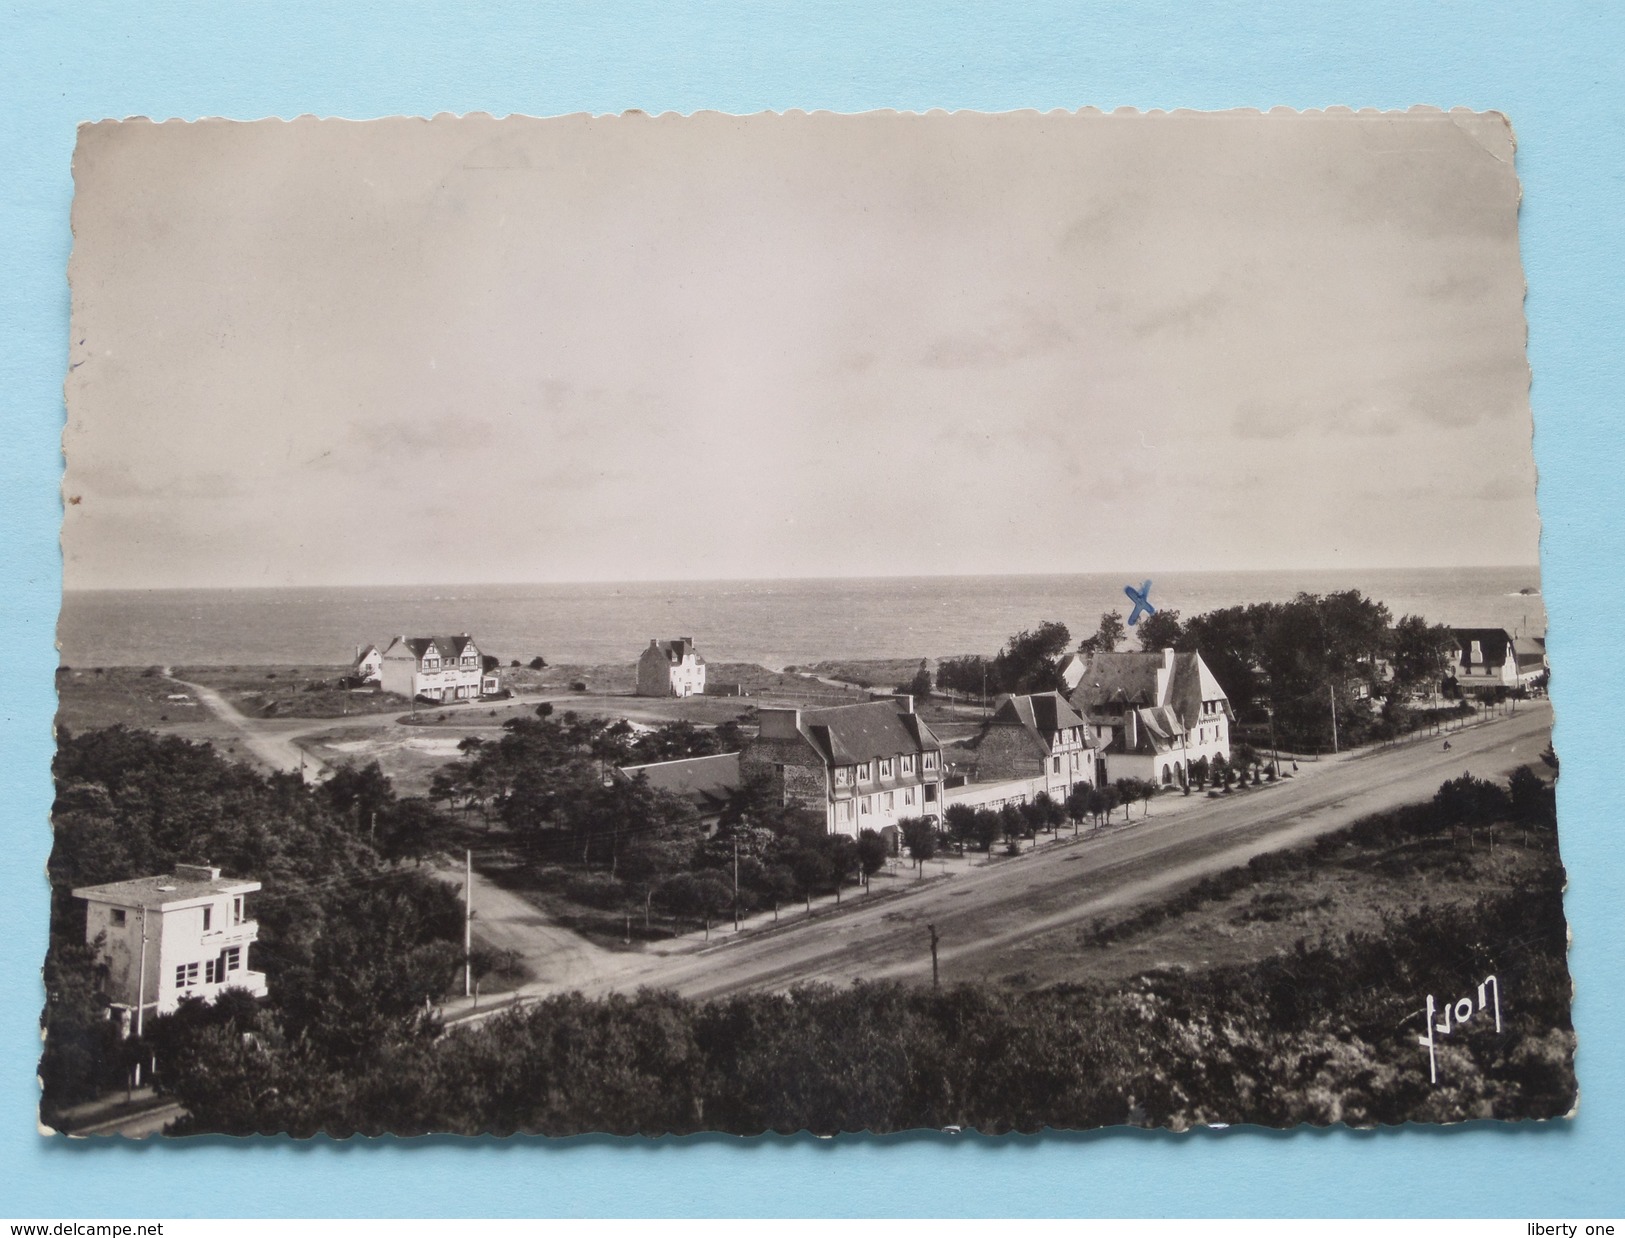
x=468, y=923
x=936, y=981
x=1276, y=747
x=141, y=991
x=736, y=885
x=1331, y=693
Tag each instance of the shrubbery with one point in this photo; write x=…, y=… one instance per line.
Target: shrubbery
x=1319, y=1034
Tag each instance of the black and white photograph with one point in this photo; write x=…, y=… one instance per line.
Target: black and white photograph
x=649, y=625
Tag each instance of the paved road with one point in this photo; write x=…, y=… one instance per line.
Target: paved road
x=983, y=913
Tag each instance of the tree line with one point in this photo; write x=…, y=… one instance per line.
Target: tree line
x=1299, y=660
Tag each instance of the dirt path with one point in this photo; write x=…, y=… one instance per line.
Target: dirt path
x=557, y=958
x=276, y=747
x=984, y=914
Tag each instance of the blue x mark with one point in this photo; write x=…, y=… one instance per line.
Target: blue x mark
x=1141, y=598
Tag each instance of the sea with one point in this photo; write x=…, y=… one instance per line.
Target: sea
x=774, y=623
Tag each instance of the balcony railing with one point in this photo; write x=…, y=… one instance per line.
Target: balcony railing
x=231, y=934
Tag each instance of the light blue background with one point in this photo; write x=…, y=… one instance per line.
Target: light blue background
x=1553, y=68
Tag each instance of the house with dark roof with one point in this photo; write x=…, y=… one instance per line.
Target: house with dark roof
x=705, y=782
x=182, y=934
x=1152, y=714
x=1037, y=736
x=671, y=668
x=1488, y=658
x=864, y=767
x=369, y=662
x=435, y=668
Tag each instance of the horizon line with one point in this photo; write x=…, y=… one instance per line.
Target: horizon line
x=1137, y=573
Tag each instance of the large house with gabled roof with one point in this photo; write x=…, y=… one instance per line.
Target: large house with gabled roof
x=1494, y=658
x=1152, y=714
x=1040, y=737
x=435, y=668
x=864, y=767
x=671, y=668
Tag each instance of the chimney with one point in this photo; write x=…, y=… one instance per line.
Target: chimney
x=1165, y=675
x=905, y=702
x=779, y=723
x=653, y=643
x=197, y=872
x=1131, y=729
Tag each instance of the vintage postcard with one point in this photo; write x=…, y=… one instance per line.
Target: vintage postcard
x=801, y=622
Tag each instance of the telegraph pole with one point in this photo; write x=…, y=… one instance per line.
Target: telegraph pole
x=736, y=885
x=468, y=923
x=1331, y=693
x=141, y=990
x=936, y=980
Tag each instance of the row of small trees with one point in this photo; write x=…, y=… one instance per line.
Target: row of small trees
x=985, y=827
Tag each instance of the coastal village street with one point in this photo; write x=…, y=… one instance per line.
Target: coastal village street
x=985, y=913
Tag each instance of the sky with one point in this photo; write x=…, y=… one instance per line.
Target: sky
x=470, y=350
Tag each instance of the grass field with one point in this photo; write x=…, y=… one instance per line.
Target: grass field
x=290, y=691
x=1305, y=894
x=136, y=697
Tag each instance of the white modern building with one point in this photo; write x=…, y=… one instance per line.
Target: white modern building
x=184, y=934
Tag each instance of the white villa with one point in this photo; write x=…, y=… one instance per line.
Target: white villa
x=185, y=934
x=436, y=668
x=1494, y=658
x=671, y=668
x=1152, y=714
x=368, y=664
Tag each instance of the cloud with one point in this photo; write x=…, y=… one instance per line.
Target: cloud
x=405, y=439
x=1028, y=331
x=1183, y=317
x=121, y=481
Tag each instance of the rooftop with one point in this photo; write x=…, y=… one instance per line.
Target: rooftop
x=846, y=734
x=167, y=890
x=708, y=780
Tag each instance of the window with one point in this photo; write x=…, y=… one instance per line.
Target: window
x=887, y=801
x=118, y=916
x=930, y=759
x=208, y=918
x=214, y=971
x=1056, y=767
x=908, y=795
x=232, y=958
x=908, y=764
x=866, y=805
x=185, y=975
x=237, y=909
x=843, y=775
x=864, y=772
x=886, y=767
